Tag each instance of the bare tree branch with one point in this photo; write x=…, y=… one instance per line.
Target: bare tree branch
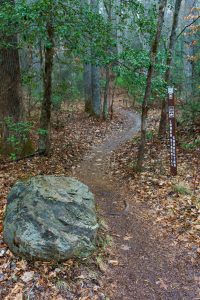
x=187, y=26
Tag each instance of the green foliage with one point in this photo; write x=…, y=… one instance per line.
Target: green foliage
x=18, y=139
x=19, y=129
x=105, y=241
x=42, y=131
x=149, y=135
x=67, y=81
x=191, y=113
x=76, y=29
x=133, y=72
x=181, y=189
x=59, y=94
x=143, y=19
x=191, y=145
x=28, y=79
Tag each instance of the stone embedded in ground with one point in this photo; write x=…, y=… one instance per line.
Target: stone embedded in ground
x=51, y=219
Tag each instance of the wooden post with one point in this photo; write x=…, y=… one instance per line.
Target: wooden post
x=172, y=131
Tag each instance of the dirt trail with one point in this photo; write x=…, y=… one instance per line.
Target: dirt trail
x=150, y=267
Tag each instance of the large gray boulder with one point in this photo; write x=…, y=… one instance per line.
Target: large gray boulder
x=51, y=219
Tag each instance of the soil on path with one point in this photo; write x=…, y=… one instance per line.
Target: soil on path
x=149, y=266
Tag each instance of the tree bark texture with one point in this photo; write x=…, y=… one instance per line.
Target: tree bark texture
x=87, y=77
x=109, y=6
x=10, y=84
x=153, y=53
x=96, y=97
x=95, y=74
x=45, y=119
x=106, y=92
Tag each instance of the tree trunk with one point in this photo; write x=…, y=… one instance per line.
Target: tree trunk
x=96, y=98
x=29, y=90
x=153, y=53
x=110, y=50
x=172, y=40
x=87, y=74
x=45, y=119
x=11, y=104
x=112, y=100
x=95, y=74
x=106, y=90
x=87, y=87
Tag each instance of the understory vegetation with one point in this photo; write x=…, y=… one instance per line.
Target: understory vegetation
x=72, y=75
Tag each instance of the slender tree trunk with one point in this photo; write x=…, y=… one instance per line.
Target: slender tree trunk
x=106, y=90
x=154, y=50
x=172, y=40
x=30, y=63
x=11, y=104
x=112, y=100
x=95, y=74
x=45, y=119
x=87, y=74
x=41, y=56
x=110, y=19
x=87, y=87
x=96, y=95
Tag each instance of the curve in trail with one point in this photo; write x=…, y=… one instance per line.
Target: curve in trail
x=94, y=167
x=149, y=268
x=132, y=126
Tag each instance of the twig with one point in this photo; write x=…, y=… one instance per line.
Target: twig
x=187, y=27
x=37, y=153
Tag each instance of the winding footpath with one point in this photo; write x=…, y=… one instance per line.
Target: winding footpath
x=150, y=267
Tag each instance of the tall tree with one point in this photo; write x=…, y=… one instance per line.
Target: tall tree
x=108, y=7
x=111, y=51
x=172, y=40
x=153, y=54
x=91, y=74
x=87, y=74
x=10, y=84
x=45, y=119
x=95, y=72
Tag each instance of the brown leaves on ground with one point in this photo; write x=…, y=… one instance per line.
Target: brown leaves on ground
x=173, y=202
x=72, y=137
x=70, y=280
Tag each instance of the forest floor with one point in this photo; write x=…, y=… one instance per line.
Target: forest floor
x=149, y=237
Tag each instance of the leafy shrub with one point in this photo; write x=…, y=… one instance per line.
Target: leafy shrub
x=181, y=189
x=191, y=113
x=18, y=140
x=191, y=145
x=149, y=135
x=132, y=75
